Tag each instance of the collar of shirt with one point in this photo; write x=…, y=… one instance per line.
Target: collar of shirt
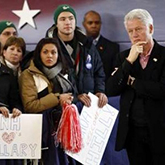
x=144, y=58
x=95, y=41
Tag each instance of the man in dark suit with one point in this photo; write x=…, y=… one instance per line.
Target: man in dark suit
x=139, y=78
x=108, y=51
x=106, y=48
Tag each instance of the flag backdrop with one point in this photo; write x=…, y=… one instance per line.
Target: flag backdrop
x=111, y=11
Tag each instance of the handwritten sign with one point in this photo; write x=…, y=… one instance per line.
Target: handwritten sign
x=96, y=125
x=20, y=137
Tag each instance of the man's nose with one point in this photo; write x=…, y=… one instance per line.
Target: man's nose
x=93, y=24
x=135, y=33
x=67, y=21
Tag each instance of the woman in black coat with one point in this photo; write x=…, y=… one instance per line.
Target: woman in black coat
x=9, y=101
x=9, y=96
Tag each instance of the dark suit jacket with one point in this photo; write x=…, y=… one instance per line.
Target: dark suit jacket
x=108, y=51
x=150, y=88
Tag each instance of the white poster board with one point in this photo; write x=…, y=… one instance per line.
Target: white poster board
x=20, y=137
x=96, y=125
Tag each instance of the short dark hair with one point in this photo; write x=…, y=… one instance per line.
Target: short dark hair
x=93, y=12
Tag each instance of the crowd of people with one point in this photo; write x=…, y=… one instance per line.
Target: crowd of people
x=67, y=64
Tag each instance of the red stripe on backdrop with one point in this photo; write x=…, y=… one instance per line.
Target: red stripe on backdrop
x=46, y=6
x=43, y=20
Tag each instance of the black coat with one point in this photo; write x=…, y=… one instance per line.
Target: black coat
x=151, y=89
x=9, y=94
x=108, y=51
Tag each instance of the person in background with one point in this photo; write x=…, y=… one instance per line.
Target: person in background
x=108, y=51
x=44, y=88
x=7, y=29
x=12, y=53
x=10, y=102
x=139, y=77
x=82, y=58
x=106, y=48
x=80, y=54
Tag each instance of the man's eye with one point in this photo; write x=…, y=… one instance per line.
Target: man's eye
x=97, y=22
x=130, y=31
x=9, y=33
x=138, y=29
x=62, y=19
x=70, y=18
x=6, y=34
x=15, y=34
x=90, y=23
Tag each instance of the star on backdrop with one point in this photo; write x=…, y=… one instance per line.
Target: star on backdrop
x=26, y=15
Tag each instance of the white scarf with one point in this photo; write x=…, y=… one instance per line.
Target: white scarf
x=13, y=67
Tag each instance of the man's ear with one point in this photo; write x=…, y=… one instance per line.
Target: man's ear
x=83, y=23
x=151, y=29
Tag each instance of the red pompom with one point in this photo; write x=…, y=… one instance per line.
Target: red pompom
x=69, y=131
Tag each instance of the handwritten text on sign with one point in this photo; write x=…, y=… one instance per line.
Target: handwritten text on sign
x=20, y=137
x=96, y=125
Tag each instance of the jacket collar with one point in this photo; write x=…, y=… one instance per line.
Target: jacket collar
x=4, y=69
x=79, y=34
x=34, y=69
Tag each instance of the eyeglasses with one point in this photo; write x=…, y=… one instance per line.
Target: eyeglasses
x=7, y=34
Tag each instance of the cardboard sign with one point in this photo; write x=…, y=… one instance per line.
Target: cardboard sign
x=96, y=125
x=20, y=137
